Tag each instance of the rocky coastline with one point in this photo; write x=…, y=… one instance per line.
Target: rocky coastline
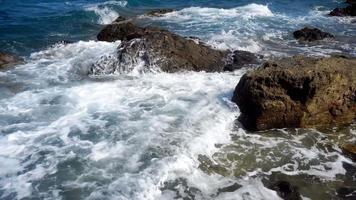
x=306, y=92
x=290, y=92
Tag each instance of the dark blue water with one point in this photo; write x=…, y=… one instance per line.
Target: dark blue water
x=147, y=135
x=30, y=25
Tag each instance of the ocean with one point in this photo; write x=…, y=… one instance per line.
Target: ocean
x=141, y=135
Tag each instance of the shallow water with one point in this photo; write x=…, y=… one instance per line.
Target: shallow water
x=65, y=134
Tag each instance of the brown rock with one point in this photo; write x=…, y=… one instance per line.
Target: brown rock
x=8, y=60
x=155, y=47
x=350, y=151
x=298, y=92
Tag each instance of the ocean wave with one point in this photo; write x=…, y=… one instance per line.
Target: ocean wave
x=106, y=10
x=212, y=14
x=63, y=63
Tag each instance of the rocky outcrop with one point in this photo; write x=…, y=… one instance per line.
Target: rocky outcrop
x=8, y=60
x=298, y=92
x=311, y=34
x=350, y=10
x=150, y=46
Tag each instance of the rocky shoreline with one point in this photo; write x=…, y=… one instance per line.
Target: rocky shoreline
x=292, y=92
x=275, y=93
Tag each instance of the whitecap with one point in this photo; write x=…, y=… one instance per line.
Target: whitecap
x=106, y=11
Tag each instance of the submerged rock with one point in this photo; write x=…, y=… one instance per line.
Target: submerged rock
x=311, y=34
x=150, y=46
x=8, y=60
x=286, y=191
x=298, y=92
x=159, y=12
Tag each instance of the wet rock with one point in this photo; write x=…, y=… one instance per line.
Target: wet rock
x=286, y=191
x=240, y=59
x=347, y=11
x=9, y=60
x=311, y=34
x=298, y=92
x=350, y=151
x=159, y=12
x=347, y=193
x=155, y=47
x=120, y=31
x=120, y=19
x=351, y=1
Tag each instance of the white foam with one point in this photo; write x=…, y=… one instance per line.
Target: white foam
x=129, y=134
x=105, y=11
x=212, y=14
x=66, y=62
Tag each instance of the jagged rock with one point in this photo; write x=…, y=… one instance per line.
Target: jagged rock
x=298, y=92
x=311, y=34
x=350, y=151
x=159, y=12
x=150, y=46
x=8, y=60
x=347, y=11
x=240, y=59
x=286, y=191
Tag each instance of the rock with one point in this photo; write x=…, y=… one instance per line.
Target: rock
x=342, y=12
x=298, y=92
x=159, y=12
x=240, y=59
x=350, y=151
x=311, y=34
x=8, y=60
x=120, y=31
x=155, y=47
x=286, y=191
x=352, y=2
x=347, y=193
x=120, y=19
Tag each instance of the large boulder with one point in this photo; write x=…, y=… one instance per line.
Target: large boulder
x=155, y=47
x=298, y=92
x=311, y=34
x=9, y=60
x=350, y=10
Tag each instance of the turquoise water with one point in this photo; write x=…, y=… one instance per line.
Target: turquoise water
x=66, y=134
